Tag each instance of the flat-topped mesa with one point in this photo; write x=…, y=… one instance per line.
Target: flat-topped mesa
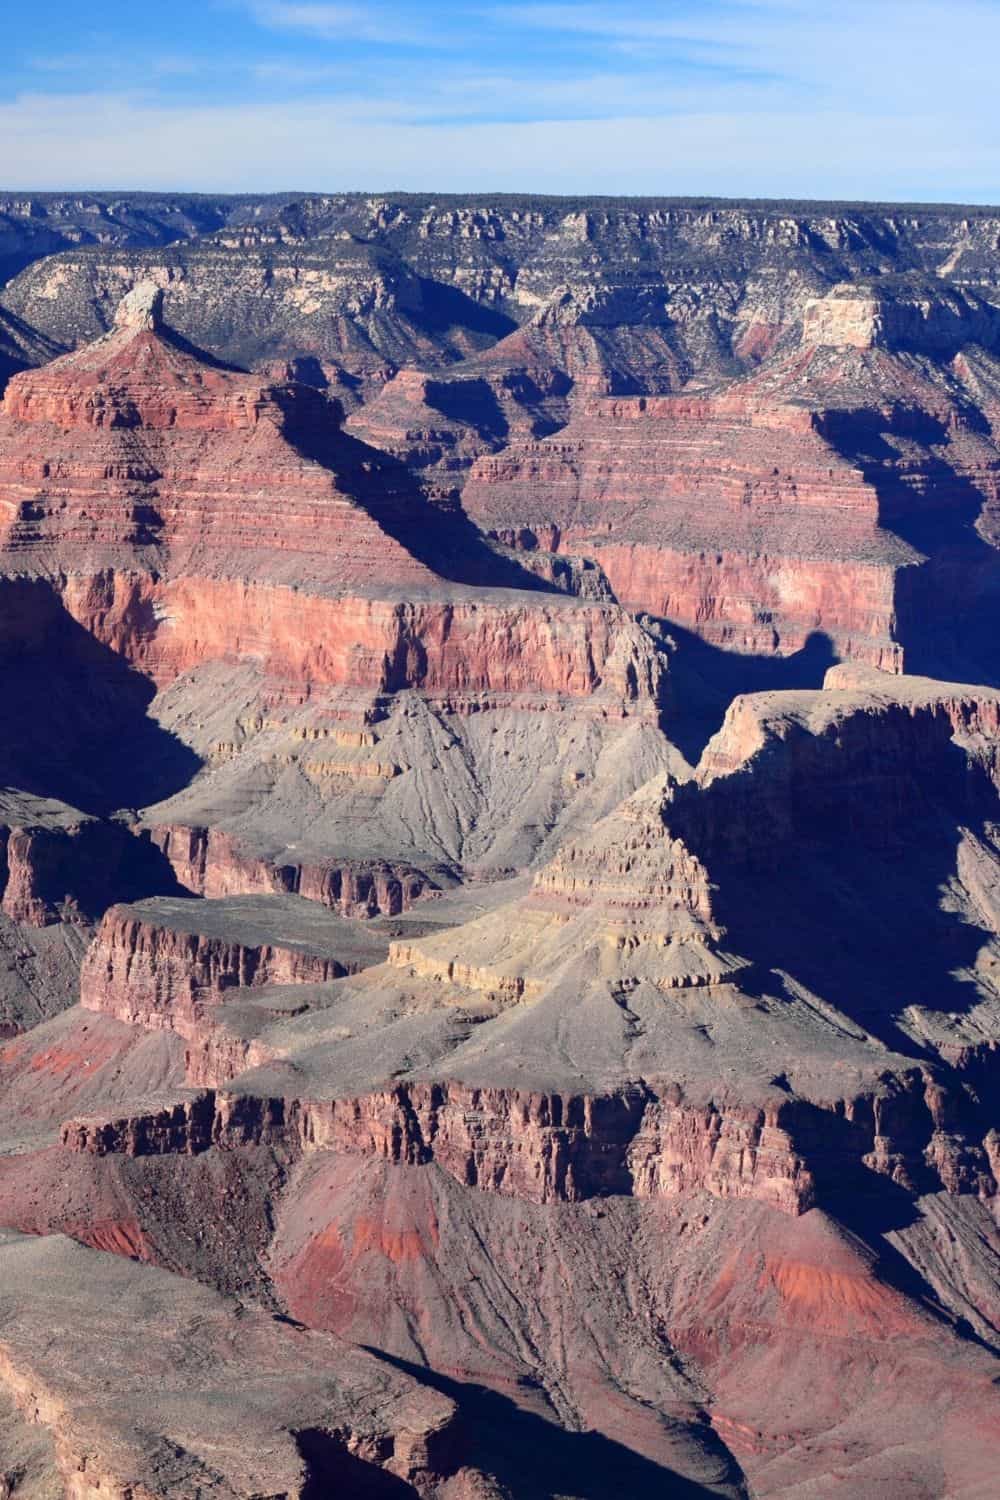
x=862, y=720
x=60, y=864
x=164, y=963
x=861, y=757
x=211, y=862
x=737, y=522
x=937, y=319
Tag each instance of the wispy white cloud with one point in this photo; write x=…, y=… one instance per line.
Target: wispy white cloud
x=897, y=49
x=341, y=23
x=125, y=68
x=689, y=22
x=109, y=64
x=297, y=75
x=122, y=141
x=878, y=98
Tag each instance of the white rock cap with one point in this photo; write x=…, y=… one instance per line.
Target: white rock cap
x=141, y=308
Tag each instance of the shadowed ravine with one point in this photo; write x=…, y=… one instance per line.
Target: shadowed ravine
x=539, y=1460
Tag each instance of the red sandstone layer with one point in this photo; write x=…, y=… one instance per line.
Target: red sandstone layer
x=550, y=1148
x=765, y=511
x=517, y=644
x=187, y=513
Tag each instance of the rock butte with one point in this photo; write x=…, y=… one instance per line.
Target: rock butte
x=499, y=936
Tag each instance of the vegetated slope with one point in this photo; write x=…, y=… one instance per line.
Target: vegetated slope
x=352, y=280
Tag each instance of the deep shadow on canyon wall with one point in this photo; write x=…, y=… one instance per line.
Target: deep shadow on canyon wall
x=76, y=724
x=538, y=1460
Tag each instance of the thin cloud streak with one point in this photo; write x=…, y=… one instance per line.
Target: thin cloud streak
x=892, y=49
x=341, y=23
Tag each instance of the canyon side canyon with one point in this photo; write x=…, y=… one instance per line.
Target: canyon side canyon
x=499, y=849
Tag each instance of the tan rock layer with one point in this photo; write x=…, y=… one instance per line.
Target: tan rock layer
x=210, y=862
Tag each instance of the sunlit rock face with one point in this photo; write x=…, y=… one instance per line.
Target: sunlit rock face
x=499, y=937
x=826, y=493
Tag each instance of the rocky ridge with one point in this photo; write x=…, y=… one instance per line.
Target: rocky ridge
x=140, y=482
x=627, y=920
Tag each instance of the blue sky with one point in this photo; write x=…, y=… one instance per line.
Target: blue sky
x=877, y=99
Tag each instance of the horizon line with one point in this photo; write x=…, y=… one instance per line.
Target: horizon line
x=429, y=194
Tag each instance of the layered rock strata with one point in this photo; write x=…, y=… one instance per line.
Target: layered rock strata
x=664, y=1079
x=141, y=480
x=527, y=1132
x=365, y=284
x=161, y=963
x=58, y=864
x=162, y=519
x=210, y=862
x=556, y=1148
x=806, y=498
x=573, y=349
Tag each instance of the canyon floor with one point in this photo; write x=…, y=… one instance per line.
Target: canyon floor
x=499, y=849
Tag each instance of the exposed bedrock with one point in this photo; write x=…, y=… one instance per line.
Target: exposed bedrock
x=438, y=1001
x=933, y=318
x=575, y=347
x=138, y=448
x=506, y=645
x=161, y=963
x=210, y=862
x=59, y=872
x=552, y=1148
x=860, y=759
x=56, y=864
x=809, y=806
x=362, y=284
x=409, y=1260
x=627, y=947
x=322, y=1413
x=138, y=479
x=836, y=489
x=791, y=1329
